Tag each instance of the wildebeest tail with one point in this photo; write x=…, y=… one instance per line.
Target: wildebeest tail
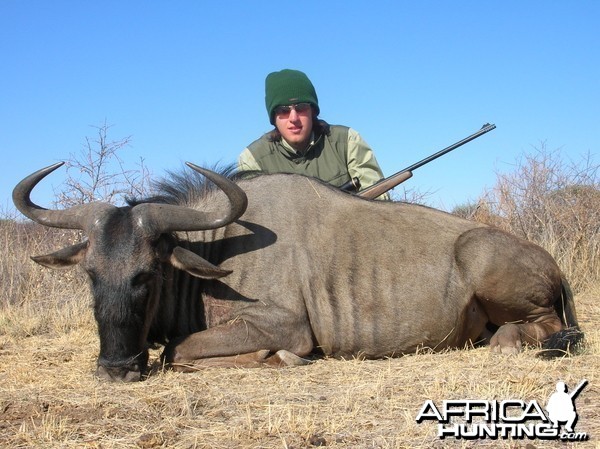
x=565, y=341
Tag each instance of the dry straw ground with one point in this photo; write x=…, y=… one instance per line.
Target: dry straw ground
x=49, y=397
x=48, y=346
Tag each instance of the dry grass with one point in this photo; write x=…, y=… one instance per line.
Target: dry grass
x=50, y=398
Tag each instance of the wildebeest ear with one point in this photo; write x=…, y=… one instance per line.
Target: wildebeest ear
x=195, y=265
x=64, y=258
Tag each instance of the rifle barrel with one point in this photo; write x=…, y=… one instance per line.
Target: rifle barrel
x=390, y=182
x=484, y=129
x=578, y=389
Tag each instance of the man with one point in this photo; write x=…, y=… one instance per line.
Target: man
x=301, y=143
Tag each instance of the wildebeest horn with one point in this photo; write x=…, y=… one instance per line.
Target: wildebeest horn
x=155, y=218
x=159, y=218
x=75, y=217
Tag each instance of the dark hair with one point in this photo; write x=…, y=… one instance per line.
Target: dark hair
x=319, y=127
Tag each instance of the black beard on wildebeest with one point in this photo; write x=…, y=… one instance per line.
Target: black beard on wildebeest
x=128, y=254
x=267, y=270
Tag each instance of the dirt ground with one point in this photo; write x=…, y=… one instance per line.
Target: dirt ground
x=49, y=397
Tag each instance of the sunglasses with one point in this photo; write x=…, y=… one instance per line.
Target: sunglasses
x=284, y=111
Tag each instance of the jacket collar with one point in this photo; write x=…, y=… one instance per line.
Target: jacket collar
x=313, y=140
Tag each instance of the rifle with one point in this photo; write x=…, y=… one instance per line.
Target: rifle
x=390, y=182
x=578, y=389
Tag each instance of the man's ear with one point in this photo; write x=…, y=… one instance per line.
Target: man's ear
x=64, y=258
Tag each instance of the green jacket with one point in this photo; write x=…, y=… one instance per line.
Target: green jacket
x=334, y=158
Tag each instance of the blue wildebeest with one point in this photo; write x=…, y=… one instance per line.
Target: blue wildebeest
x=270, y=269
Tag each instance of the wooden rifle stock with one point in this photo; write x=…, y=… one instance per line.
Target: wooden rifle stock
x=384, y=185
x=390, y=182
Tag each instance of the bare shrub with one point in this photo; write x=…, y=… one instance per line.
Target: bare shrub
x=410, y=195
x=555, y=204
x=97, y=173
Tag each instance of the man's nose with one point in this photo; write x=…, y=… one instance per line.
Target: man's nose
x=293, y=114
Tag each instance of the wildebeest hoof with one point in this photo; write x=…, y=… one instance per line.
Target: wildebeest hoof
x=286, y=358
x=507, y=340
x=509, y=350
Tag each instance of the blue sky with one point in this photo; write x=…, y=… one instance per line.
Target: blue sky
x=185, y=79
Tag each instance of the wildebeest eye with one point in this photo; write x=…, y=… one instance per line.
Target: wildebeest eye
x=141, y=279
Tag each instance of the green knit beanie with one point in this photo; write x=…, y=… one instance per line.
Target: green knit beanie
x=288, y=87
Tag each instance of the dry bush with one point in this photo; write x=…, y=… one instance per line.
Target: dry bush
x=554, y=204
x=35, y=300
x=410, y=195
x=97, y=173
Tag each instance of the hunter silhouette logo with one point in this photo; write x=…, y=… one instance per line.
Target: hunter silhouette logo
x=561, y=405
x=516, y=419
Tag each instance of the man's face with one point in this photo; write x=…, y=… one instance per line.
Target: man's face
x=295, y=124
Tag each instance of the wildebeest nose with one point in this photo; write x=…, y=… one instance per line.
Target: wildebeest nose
x=120, y=374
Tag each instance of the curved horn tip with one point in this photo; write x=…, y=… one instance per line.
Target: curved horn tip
x=49, y=169
x=53, y=167
x=30, y=181
x=210, y=174
x=195, y=167
x=21, y=198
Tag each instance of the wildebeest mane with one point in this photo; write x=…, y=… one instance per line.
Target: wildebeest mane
x=185, y=186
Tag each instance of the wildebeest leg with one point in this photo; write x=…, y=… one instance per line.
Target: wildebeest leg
x=509, y=338
x=249, y=360
x=263, y=358
x=238, y=343
x=515, y=282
